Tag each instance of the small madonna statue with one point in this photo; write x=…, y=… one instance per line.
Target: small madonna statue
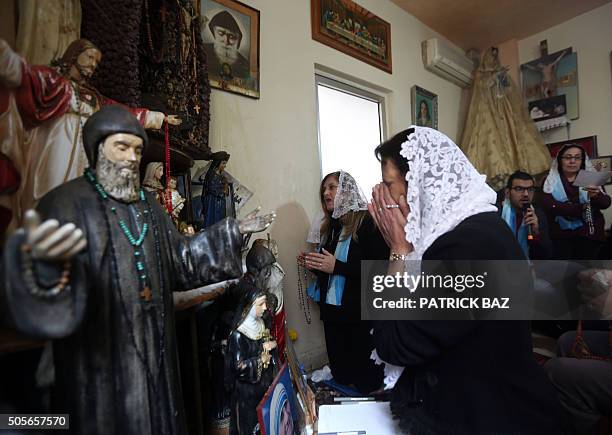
x=215, y=191
x=178, y=202
x=251, y=361
x=152, y=179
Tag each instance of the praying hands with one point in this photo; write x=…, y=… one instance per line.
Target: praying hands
x=390, y=218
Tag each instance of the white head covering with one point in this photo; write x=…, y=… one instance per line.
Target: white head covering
x=554, y=178
x=443, y=188
x=275, y=284
x=349, y=197
x=253, y=326
x=314, y=233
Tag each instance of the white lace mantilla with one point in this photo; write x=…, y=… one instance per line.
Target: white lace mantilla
x=349, y=196
x=443, y=188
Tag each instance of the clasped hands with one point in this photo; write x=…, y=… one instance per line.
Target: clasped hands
x=323, y=261
x=390, y=218
x=265, y=355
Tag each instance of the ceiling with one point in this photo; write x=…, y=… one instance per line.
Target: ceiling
x=482, y=23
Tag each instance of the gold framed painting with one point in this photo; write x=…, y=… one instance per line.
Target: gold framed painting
x=230, y=32
x=353, y=30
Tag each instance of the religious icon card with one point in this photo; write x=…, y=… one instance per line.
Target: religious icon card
x=230, y=32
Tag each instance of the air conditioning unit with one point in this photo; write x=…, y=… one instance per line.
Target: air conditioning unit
x=447, y=62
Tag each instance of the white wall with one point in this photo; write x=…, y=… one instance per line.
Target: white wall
x=273, y=140
x=590, y=35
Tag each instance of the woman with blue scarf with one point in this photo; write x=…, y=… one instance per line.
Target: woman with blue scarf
x=574, y=214
x=345, y=236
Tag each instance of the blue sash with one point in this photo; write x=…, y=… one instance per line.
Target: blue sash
x=509, y=216
x=558, y=192
x=335, y=287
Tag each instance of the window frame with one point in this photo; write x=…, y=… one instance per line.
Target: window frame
x=356, y=91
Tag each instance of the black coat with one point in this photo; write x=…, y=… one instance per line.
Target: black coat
x=540, y=248
x=115, y=354
x=369, y=246
x=469, y=377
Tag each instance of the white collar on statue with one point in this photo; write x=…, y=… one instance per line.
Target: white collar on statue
x=252, y=326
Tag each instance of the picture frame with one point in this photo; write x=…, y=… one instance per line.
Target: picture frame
x=230, y=35
x=277, y=411
x=307, y=407
x=424, y=107
x=564, y=65
x=603, y=163
x=589, y=143
x=547, y=108
x=353, y=30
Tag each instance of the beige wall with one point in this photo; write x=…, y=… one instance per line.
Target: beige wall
x=590, y=35
x=273, y=140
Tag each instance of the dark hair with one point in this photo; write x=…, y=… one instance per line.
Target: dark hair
x=426, y=106
x=519, y=175
x=390, y=150
x=566, y=147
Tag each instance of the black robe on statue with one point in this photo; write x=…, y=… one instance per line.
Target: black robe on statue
x=248, y=378
x=115, y=353
x=251, y=383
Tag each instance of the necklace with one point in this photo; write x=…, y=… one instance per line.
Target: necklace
x=304, y=302
x=103, y=196
x=136, y=242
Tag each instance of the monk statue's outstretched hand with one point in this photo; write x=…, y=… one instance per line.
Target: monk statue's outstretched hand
x=50, y=242
x=254, y=224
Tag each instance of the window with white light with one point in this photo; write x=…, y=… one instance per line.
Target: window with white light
x=351, y=124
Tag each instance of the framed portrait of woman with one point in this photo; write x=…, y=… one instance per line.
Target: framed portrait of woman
x=277, y=410
x=424, y=108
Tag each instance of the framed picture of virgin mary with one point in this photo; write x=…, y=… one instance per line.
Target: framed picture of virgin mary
x=424, y=108
x=230, y=32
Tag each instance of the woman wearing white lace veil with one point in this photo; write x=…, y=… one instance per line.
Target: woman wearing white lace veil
x=345, y=236
x=459, y=377
x=576, y=221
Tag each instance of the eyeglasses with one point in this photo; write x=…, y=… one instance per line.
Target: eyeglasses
x=570, y=158
x=520, y=189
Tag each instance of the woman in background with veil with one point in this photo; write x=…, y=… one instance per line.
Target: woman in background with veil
x=346, y=236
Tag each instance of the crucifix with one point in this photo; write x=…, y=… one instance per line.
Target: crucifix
x=146, y=294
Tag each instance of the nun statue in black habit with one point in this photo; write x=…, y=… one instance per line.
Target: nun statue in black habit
x=108, y=308
x=251, y=348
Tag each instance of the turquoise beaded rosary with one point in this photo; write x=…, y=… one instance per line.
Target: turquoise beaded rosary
x=136, y=243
